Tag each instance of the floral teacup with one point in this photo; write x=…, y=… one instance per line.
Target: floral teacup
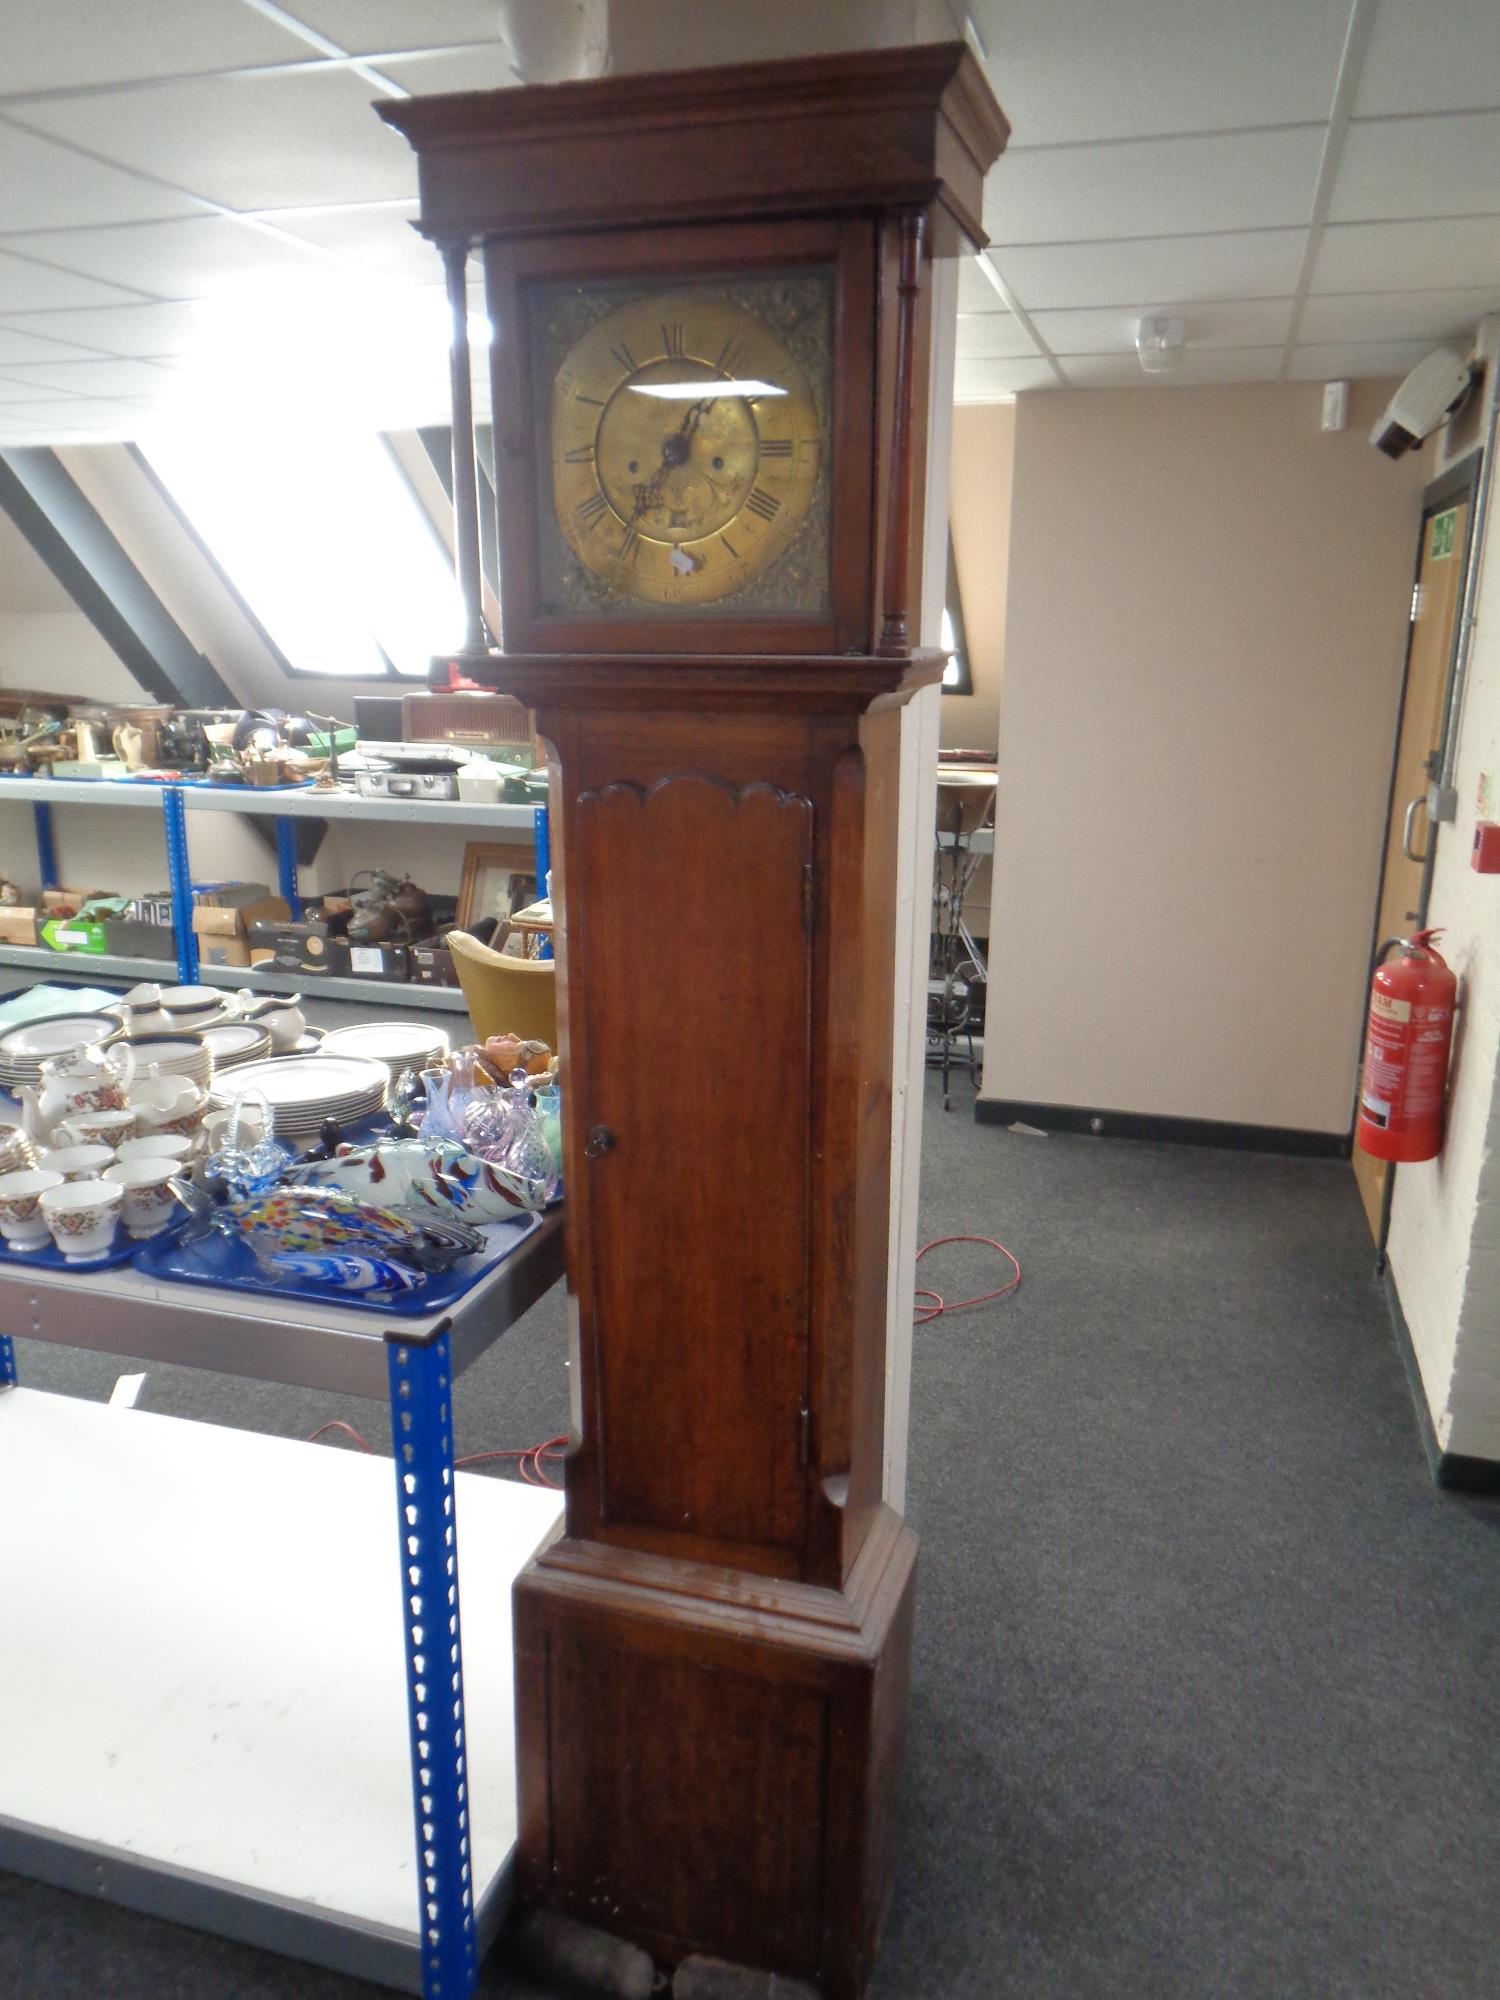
x=98, y=1128
x=149, y=1201
x=21, y=1220
x=78, y=1163
x=82, y=1216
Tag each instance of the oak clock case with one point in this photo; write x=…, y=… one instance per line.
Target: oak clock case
x=712, y=1651
x=690, y=468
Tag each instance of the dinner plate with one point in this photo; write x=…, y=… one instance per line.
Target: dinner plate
x=173, y=1055
x=236, y=1042
x=30, y=1045
x=399, y=1045
x=303, y=1091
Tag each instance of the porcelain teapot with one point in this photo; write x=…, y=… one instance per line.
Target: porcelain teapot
x=143, y=1013
x=86, y=1079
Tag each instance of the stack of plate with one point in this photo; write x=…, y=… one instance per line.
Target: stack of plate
x=23, y=1050
x=172, y=1055
x=303, y=1091
x=234, y=1042
x=400, y=1045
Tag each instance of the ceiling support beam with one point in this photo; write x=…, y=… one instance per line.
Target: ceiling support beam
x=74, y=543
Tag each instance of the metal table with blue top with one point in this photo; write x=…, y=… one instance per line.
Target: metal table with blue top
x=202, y=1637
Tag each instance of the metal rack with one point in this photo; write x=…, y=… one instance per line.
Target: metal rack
x=415, y=1365
x=177, y=803
x=958, y=964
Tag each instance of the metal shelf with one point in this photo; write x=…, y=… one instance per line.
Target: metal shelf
x=328, y=986
x=109, y=792
x=348, y=805
x=83, y=964
x=79, y=791
x=336, y=1348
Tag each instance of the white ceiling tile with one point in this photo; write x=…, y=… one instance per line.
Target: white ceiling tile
x=975, y=292
x=1073, y=69
x=992, y=336
x=1356, y=357
x=26, y=286
x=47, y=186
x=1153, y=187
x=1243, y=323
x=275, y=140
x=1419, y=166
x=1198, y=369
x=67, y=44
x=25, y=343
x=485, y=67
x=129, y=330
x=372, y=27
x=1431, y=58
x=984, y=381
x=179, y=260
x=1408, y=256
x=86, y=416
x=24, y=392
x=1430, y=316
x=378, y=236
x=94, y=378
x=1251, y=264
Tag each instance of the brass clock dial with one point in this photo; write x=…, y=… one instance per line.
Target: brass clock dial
x=686, y=448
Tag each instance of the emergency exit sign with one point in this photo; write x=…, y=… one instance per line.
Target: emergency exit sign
x=1442, y=534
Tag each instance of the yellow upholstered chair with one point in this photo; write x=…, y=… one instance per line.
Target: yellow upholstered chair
x=506, y=996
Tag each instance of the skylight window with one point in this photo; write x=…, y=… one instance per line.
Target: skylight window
x=321, y=535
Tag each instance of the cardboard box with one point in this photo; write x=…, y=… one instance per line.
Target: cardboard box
x=232, y=895
x=67, y=934
x=223, y=931
x=66, y=902
x=128, y=937
x=17, y=924
x=432, y=965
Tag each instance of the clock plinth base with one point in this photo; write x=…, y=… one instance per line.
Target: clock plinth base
x=708, y=1761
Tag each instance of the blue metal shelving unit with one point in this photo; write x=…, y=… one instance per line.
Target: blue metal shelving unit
x=179, y=874
x=543, y=837
x=286, y=865
x=422, y=1430
x=46, y=851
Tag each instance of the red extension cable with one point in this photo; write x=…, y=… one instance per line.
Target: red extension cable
x=531, y=1462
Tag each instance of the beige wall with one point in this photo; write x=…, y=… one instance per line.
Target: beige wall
x=983, y=448
x=1205, y=629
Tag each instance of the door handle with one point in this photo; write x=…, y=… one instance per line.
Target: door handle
x=1406, y=829
x=599, y=1141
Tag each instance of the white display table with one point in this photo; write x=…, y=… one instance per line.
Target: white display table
x=201, y=1631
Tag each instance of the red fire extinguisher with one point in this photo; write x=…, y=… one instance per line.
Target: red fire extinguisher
x=1405, y=1076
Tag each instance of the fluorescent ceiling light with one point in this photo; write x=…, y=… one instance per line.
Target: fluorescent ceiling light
x=689, y=392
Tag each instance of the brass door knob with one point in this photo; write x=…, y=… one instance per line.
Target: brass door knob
x=600, y=1140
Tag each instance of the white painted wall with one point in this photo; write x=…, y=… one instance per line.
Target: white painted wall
x=1205, y=625
x=1445, y=1216
x=59, y=652
x=121, y=849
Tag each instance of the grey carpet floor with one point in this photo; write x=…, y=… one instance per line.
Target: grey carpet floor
x=1207, y=1684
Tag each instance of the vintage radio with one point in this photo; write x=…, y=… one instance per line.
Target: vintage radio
x=480, y=720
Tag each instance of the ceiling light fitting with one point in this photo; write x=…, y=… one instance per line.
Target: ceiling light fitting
x=1159, y=343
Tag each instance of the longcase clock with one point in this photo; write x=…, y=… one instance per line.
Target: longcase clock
x=710, y=300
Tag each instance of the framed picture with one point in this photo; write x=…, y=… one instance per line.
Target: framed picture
x=499, y=877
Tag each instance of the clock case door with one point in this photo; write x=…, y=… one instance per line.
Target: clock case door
x=665, y=259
